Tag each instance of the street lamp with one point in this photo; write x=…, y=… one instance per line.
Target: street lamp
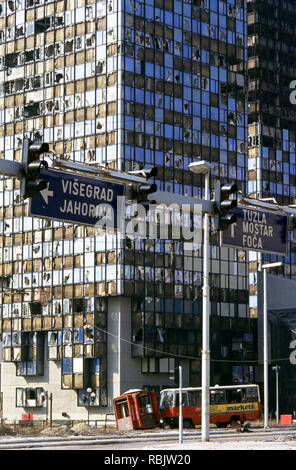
x=89, y=391
x=265, y=337
x=205, y=168
x=276, y=370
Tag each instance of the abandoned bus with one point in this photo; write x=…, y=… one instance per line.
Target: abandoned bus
x=136, y=409
x=228, y=404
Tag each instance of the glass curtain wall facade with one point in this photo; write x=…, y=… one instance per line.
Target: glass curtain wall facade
x=124, y=83
x=271, y=117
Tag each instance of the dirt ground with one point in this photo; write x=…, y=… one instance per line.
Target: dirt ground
x=43, y=429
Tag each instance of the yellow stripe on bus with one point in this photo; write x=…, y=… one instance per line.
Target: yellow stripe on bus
x=234, y=407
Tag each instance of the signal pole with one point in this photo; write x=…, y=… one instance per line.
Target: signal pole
x=205, y=167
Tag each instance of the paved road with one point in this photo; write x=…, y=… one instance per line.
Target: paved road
x=226, y=439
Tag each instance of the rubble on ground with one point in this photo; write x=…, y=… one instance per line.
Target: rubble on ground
x=6, y=431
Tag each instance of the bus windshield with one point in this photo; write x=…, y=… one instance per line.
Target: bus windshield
x=166, y=400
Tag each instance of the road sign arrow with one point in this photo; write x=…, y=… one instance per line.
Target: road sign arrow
x=45, y=193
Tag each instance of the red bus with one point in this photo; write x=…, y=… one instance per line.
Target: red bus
x=228, y=404
x=136, y=409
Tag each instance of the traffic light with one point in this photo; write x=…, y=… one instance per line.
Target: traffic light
x=32, y=165
x=141, y=192
x=223, y=204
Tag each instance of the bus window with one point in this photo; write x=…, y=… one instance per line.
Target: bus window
x=251, y=394
x=146, y=403
x=194, y=398
x=166, y=400
x=123, y=409
x=234, y=395
x=217, y=397
x=184, y=398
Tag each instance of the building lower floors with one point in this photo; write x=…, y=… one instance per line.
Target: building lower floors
x=86, y=389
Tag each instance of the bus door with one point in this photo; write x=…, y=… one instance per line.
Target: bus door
x=147, y=409
x=217, y=405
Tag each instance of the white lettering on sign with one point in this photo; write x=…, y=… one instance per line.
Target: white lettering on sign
x=254, y=228
x=76, y=188
x=86, y=210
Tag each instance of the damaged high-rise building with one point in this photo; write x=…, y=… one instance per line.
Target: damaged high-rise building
x=126, y=84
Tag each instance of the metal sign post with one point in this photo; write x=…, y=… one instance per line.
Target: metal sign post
x=180, y=407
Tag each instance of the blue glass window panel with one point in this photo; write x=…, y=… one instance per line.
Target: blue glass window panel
x=129, y=93
x=205, y=112
x=205, y=56
x=129, y=64
x=177, y=34
x=285, y=134
x=169, y=305
x=213, y=5
x=231, y=37
x=129, y=123
x=149, y=12
x=148, y=156
x=186, y=10
x=222, y=75
x=67, y=365
x=139, y=152
x=149, y=127
x=195, y=26
x=149, y=69
x=187, y=78
x=178, y=306
x=178, y=105
x=178, y=7
x=158, y=158
x=187, y=93
x=196, y=123
x=214, y=113
x=159, y=15
x=231, y=104
x=140, y=96
x=168, y=18
x=214, y=19
x=196, y=96
x=214, y=72
x=205, y=97
x=196, y=109
x=168, y=60
x=159, y=72
x=169, y=133
x=204, y=29
x=177, y=20
x=178, y=133
x=186, y=51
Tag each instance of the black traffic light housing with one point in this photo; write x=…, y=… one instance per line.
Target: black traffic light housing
x=223, y=204
x=141, y=192
x=32, y=165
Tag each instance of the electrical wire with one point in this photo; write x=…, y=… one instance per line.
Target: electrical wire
x=256, y=361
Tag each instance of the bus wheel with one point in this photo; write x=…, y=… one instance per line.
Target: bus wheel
x=188, y=424
x=222, y=425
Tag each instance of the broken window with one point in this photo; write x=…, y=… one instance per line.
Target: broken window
x=29, y=55
x=42, y=25
x=34, y=109
x=69, y=45
x=11, y=60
